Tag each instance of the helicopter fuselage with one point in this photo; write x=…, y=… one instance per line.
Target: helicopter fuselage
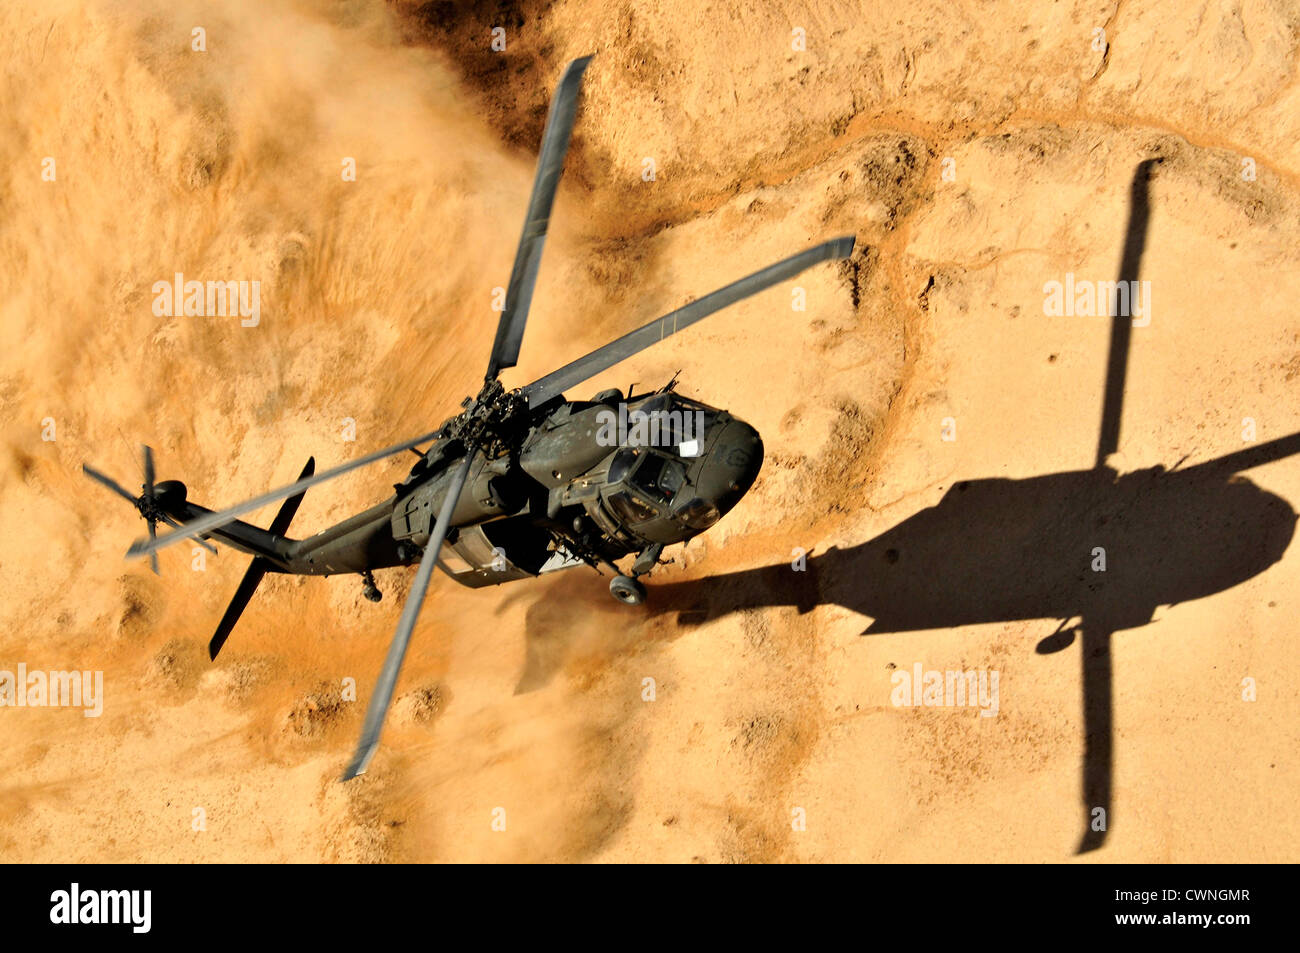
x=590, y=481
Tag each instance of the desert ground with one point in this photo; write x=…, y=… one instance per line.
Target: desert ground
x=978, y=152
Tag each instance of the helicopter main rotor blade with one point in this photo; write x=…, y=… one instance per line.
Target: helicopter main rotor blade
x=382, y=696
x=210, y=521
x=108, y=482
x=643, y=337
x=528, y=256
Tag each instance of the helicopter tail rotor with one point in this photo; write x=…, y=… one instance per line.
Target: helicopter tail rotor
x=150, y=502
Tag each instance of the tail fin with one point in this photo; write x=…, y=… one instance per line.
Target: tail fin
x=257, y=568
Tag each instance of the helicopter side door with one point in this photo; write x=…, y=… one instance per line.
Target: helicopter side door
x=488, y=554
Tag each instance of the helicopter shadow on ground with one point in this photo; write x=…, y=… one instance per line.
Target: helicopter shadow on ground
x=991, y=551
x=1005, y=550
x=1009, y=550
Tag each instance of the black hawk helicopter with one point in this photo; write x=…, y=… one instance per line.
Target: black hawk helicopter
x=521, y=481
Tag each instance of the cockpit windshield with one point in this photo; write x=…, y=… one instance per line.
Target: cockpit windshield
x=659, y=477
x=629, y=509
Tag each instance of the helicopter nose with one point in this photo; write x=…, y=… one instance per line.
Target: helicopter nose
x=734, y=462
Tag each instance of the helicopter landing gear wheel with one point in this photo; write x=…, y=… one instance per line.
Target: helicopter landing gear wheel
x=627, y=590
x=370, y=591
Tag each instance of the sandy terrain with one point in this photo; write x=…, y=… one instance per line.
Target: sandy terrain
x=977, y=151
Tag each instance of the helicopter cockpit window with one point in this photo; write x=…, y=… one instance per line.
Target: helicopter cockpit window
x=698, y=514
x=621, y=464
x=659, y=477
x=685, y=406
x=629, y=509
x=672, y=478
x=657, y=403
